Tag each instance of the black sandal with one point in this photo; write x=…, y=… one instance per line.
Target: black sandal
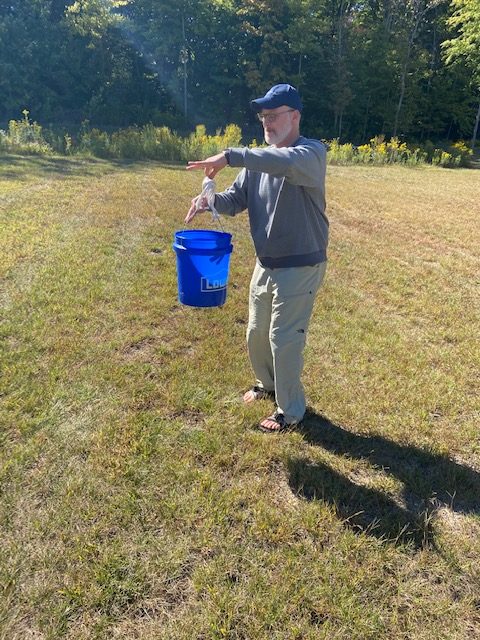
x=261, y=394
x=278, y=418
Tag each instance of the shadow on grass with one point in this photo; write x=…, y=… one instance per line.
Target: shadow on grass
x=12, y=165
x=15, y=166
x=430, y=481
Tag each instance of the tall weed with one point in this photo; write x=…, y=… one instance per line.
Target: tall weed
x=377, y=152
x=24, y=136
x=381, y=152
x=161, y=143
x=200, y=145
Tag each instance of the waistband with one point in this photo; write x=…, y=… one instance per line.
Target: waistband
x=304, y=260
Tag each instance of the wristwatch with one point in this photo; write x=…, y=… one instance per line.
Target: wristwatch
x=226, y=153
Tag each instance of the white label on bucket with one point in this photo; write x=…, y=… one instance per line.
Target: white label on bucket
x=209, y=284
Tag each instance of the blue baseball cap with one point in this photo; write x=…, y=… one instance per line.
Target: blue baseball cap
x=278, y=96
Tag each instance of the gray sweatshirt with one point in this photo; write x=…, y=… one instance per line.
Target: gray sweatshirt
x=284, y=192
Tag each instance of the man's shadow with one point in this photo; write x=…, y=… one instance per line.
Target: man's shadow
x=430, y=481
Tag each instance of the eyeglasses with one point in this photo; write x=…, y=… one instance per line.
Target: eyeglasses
x=272, y=117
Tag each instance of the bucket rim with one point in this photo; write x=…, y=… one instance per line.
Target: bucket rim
x=208, y=251
x=212, y=233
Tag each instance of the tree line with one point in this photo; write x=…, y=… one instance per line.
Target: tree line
x=401, y=68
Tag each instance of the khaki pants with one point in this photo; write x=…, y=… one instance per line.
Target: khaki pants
x=281, y=303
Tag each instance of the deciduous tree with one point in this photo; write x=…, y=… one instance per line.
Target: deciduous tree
x=465, y=46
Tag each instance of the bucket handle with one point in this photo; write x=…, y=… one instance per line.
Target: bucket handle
x=208, y=190
x=216, y=218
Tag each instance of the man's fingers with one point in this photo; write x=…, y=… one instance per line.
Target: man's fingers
x=207, y=167
x=210, y=172
x=193, y=209
x=191, y=213
x=211, y=166
x=195, y=164
x=199, y=205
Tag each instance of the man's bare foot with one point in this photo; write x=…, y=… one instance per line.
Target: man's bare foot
x=275, y=423
x=257, y=393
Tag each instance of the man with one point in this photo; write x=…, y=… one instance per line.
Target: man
x=283, y=188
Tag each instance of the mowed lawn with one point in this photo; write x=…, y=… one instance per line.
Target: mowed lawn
x=138, y=501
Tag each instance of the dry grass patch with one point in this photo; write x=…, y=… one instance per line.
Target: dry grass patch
x=137, y=499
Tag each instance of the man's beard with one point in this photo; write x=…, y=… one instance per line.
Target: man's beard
x=279, y=135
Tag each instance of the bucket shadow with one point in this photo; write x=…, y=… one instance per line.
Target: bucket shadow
x=430, y=482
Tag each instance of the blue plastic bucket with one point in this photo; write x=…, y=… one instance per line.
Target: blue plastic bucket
x=203, y=259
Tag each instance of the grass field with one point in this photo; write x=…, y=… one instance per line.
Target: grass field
x=138, y=501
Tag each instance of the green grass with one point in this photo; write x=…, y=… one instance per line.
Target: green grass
x=137, y=499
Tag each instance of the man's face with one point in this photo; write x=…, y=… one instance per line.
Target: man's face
x=277, y=124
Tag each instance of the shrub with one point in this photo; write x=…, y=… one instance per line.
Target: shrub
x=201, y=145
x=444, y=159
x=167, y=144
x=462, y=151
x=161, y=143
x=364, y=154
x=24, y=136
x=94, y=142
x=3, y=140
x=156, y=143
x=232, y=136
x=340, y=153
x=380, y=152
x=415, y=157
x=127, y=143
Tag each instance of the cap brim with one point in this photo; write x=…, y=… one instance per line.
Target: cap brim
x=267, y=103
x=274, y=103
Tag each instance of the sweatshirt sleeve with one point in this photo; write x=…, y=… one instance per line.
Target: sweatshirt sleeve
x=234, y=199
x=303, y=165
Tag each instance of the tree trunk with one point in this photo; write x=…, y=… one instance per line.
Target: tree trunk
x=185, y=60
x=365, y=122
x=400, y=99
x=475, y=128
x=419, y=11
